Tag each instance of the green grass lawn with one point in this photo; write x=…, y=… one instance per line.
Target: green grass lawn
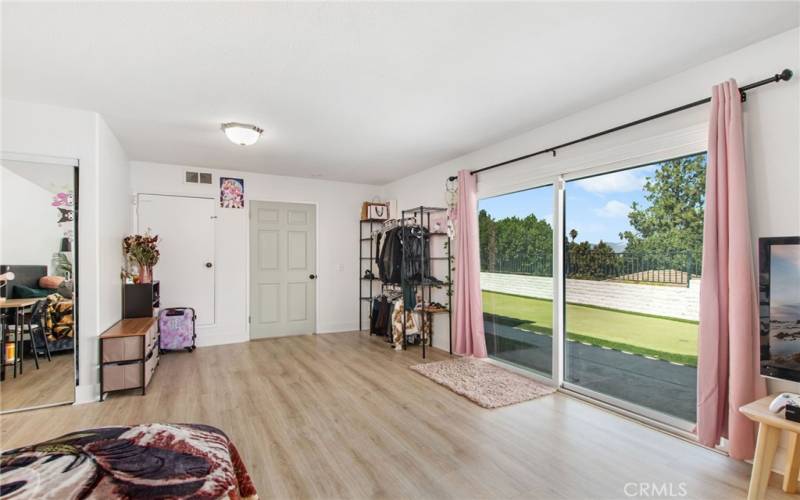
x=669, y=339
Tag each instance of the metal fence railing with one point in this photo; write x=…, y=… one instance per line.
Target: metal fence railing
x=675, y=268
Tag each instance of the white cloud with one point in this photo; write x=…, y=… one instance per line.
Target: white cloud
x=613, y=208
x=624, y=181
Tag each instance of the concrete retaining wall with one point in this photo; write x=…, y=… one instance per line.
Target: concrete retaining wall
x=670, y=301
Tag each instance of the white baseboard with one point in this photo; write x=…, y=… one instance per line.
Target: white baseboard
x=87, y=393
x=206, y=340
x=338, y=327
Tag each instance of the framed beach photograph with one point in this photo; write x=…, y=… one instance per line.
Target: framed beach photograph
x=231, y=192
x=779, y=303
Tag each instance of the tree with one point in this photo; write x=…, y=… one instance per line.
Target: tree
x=573, y=233
x=587, y=261
x=515, y=244
x=670, y=229
x=487, y=234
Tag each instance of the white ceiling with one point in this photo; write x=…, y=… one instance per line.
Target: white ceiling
x=364, y=92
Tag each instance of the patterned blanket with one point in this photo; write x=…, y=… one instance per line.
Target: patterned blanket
x=142, y=461
x=59, y=318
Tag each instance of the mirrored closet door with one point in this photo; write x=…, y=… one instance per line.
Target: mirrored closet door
x=38, y=277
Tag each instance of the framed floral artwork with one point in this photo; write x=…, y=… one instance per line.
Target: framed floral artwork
x=231, y=192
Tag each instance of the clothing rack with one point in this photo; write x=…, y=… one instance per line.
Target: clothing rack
x=424, y=284
x=784, y=76
x=366, y=289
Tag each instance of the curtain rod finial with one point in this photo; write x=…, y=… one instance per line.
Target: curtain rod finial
x=786, y=75
x=452, y=178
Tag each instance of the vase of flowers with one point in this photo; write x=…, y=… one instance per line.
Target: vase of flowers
x=142, y=250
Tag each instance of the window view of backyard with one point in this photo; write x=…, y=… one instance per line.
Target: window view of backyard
x=632, y=265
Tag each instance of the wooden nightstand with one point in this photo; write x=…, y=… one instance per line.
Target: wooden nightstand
x=770, y=426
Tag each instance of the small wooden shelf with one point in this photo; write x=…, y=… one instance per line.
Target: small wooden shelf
x=129, y=355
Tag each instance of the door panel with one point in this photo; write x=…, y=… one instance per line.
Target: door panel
x=268, y=250
x=297, y=251
x=269, y=302
x=282, y=261
x=516, y=252
x=185, y=227
x=630, y=312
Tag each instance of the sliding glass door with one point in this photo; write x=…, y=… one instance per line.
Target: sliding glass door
x=624, y=328
x=516, y=242
x=632, y=253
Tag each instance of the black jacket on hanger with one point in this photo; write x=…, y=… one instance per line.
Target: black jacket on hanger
x=391, y=257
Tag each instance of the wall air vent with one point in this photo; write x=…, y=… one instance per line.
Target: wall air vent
x=197, y=177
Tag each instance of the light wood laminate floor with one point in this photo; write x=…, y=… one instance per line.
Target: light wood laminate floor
x=342, y=416
x=51, y=383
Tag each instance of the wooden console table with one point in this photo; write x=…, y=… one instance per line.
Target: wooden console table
x=770, y=426
x=128, y=355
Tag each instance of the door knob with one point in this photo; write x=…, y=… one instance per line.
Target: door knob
x=312, y=276
x=209, y=264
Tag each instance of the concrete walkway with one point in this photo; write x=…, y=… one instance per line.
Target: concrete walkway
x=653, y=383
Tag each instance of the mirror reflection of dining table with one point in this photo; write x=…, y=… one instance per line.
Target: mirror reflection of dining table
x=18, y=306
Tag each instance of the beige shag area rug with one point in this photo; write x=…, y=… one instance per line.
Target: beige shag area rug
x=484, y=383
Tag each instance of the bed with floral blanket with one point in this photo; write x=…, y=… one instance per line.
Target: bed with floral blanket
x=141, y=461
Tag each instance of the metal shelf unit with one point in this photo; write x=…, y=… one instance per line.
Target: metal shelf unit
x=365, y=262
x=423, y=215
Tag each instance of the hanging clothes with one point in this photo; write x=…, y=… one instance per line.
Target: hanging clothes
x=391, y=257
x=416, y=247
x=398, y=316
x=409, y=296
x=404, y=255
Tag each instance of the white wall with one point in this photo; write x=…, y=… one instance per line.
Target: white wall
x=679, y=301
x=338, y=208
x=43, y=130
x=35, y=238
x=114, y=222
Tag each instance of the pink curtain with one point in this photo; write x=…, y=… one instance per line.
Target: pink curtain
x=728, y=345
x=468, y=320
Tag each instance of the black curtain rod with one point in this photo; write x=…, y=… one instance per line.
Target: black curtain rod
x=784, y=75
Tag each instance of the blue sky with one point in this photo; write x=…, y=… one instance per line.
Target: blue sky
x=597, y=207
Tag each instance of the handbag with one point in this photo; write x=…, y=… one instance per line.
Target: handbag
x=373, y=210
x=378, y=211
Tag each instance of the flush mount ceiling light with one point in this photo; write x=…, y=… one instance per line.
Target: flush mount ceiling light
x=243, y=134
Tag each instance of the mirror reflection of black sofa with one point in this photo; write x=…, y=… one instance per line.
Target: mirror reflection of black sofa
x=60, y=325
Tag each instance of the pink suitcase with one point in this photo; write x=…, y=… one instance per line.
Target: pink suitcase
x=176, y=327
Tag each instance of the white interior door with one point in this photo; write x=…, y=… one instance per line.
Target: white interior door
x=185, y=227
x=283, y=254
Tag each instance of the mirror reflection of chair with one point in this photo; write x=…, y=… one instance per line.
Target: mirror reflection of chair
x=35, y=329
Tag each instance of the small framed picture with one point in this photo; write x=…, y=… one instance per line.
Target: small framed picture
x=231, y=192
